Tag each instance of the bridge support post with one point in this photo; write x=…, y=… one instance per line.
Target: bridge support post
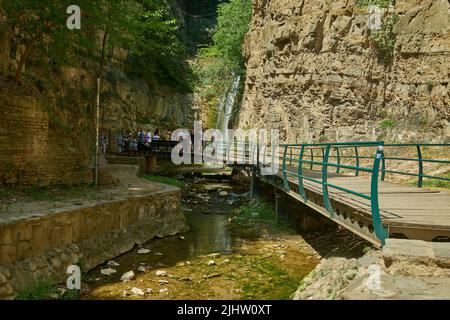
x=253, y=189
x=150, y=164
x=278, y=205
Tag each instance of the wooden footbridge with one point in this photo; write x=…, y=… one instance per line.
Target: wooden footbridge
x=348, y=183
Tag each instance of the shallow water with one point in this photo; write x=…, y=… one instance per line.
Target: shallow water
x=244, y=267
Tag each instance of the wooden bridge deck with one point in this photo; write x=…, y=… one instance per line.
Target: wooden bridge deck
x=417, y=213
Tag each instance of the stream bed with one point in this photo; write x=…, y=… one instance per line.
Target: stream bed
x=216, y=259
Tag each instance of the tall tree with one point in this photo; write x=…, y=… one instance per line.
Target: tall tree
x=40, y=26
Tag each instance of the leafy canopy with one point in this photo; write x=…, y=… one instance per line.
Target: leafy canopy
x=145, y=28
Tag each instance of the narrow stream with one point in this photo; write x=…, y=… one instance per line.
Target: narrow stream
x=214, y=260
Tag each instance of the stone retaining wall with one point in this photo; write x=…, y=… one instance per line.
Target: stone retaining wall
x=44, y=247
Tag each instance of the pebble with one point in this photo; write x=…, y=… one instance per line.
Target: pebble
x=112, y=263
x=223, y=193
x=214, y=255
x=149, y=291
x=144, y=251
x=127, y=276
x=144, y=269
x=181, y=238
x=211, y=263
x=163, y=282
x=214, y=275
x=161, y=273
x=158, y=254
x=137, y=291
x=186, y=279
x=108, y=271
x=163, y=290
x=125, y=293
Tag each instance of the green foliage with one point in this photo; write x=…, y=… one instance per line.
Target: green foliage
x=384, y=39
x=42, y=26
x=379, y=3
x=387, y=124
x=233, y=23
x=432, y=183
x=281, y=287
x=145, y=28
x=224, y=59
x=367, y=249
x=158, y=53
x=430, y=85
x=166, y=180
x=260, y=211
x=43, y=289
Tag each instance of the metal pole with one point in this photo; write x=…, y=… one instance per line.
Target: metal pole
x=252, y=185
x=277, y=205
x=97, y=132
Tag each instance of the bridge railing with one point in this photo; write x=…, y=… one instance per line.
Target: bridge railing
x=295, y=159
x=419, y=161
x=389, y=164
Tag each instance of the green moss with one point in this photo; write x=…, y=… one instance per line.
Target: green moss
x=387, y=124
x=430, y=86
x=259, y=211
x=41, y=290
x=379, y=3
x=165, y=180
x=431, y=183
x=280, y=287
x=45, y=289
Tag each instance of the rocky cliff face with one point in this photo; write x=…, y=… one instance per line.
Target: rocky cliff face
x=313, y=72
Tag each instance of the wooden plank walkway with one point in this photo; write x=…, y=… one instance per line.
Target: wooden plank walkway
x=415, y=212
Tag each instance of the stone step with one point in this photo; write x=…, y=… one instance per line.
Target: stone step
x=417, y=252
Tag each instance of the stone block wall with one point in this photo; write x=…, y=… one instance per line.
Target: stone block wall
x=33, y=152
x=44, y=246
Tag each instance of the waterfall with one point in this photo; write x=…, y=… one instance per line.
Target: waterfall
x=226, y=107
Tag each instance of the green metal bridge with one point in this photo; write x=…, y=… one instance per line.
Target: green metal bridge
x=347, y=183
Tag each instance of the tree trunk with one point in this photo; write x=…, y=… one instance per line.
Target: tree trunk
x=4, y=52
x=23, y=58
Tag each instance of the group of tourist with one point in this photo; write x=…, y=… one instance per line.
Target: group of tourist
x=134, y=141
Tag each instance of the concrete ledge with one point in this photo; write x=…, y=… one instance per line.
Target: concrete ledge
x=44, y=246
x=417, y=252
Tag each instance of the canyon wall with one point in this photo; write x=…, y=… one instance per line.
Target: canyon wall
x=314, y=73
